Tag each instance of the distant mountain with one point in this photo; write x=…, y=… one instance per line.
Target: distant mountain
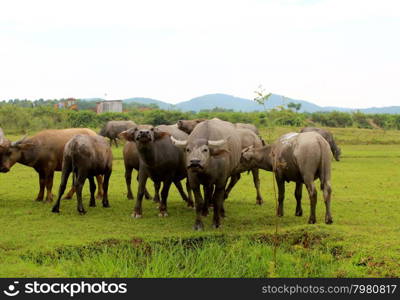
x=225, y=101
x=147, y=101
x=246, y=105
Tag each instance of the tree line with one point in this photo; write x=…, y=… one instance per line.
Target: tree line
x=24, y=117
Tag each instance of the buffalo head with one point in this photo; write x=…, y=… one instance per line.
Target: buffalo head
x=143, y=134
x=10, y=153
x=198, y=153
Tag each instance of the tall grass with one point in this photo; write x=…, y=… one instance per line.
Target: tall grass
x=212, y=257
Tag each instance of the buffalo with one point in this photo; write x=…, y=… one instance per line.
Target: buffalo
x=85, y=156
x=327, y=135
x=297, y=157
x=212, y=153
x=43, y=152
x=159, y=160
x=113, y=128
x=4, y=142
x=248, y=138
x=131, y=161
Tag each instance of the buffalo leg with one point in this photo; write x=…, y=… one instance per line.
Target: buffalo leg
x=182, y=193
x=116, y=143
x=164, y=198
x=298, y=194
x=70, y=193
x=42, y=184
x=234, y=179
x=92, y=192
x=208, y=194
x=256, y=180
x=189, y=191
x=137, y=212
x=312, y=192
x=64, y=179
x=281, y=196
x=327, y=190
x=157, y=186
x=99, y=180
x=106, y=182
x=128, y=180
x=79, y=182
x=49, y=186
x=198, y=225
x=218, y=205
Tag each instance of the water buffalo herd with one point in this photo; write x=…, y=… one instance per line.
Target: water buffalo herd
x=209, y=155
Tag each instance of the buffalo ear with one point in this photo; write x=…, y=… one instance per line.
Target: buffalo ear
x=123, y=135
x=126, y=136
x=25, y=146
x=159, y=134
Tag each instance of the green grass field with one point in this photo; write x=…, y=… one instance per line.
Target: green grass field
x=364, y=240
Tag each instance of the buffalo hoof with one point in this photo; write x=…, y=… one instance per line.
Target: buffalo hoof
x=147, y=197
x=137, y=215
x=82, y=212
x=204, y=213
x=312, y=221
x=163, y=214
x=92, y=204
x=299, y=213
x=329, y=220
x=216, y=226
x=130, y=197
x=39, y=199
x=260, y=201
x=106, y=205
x=99, y=196
x=198, y=226
x=55, y=210
x=190, y=204
x=67, y=198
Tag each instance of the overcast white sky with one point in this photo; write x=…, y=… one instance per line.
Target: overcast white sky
x=331, y=52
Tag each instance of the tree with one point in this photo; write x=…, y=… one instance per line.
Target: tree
x=261, y=97
x=295, y=106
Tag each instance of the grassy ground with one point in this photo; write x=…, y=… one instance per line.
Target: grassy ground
x=363, y=241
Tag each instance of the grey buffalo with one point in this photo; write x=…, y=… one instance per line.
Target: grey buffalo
x=247, y=138
x=113, y=128
x=301, y=158
x=85, y=156
x=212, y=153
x=327, y=135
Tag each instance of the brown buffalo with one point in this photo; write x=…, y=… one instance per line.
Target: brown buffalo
x=212, y=153
x=298, y=157
x=113, y=128
x=44, y=153
x=131, y=161
x=85, y=156
x=329, y=138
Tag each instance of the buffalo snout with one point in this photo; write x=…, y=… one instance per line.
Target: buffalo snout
x=4, y=169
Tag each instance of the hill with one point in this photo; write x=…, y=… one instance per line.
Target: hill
x=225, y=101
